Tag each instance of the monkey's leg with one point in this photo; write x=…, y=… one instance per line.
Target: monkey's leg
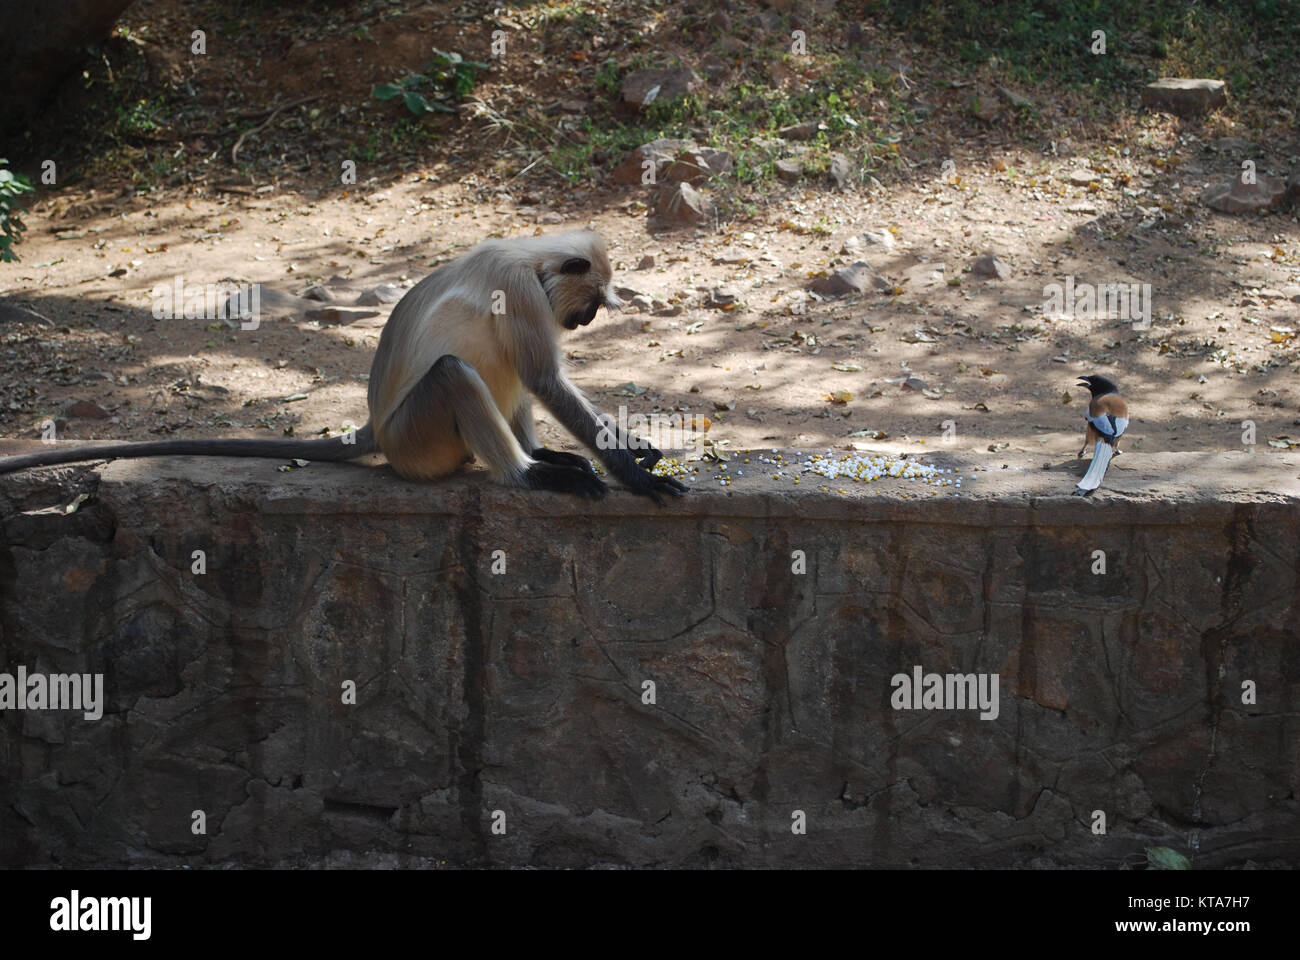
x=523, y=427
x=449, y=413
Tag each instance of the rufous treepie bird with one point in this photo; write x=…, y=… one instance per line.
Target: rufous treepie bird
x=1107, y=420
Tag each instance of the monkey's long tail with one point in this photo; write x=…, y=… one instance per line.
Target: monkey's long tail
x=348, y=446
x=1101, y=455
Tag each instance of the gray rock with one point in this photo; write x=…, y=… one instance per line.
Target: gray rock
x=339, y=315
x=1184, y=97
x=12, y=313
x=732, y=255
x=718, y=161
x=857, y=278
x=789, y=168
x=662, y=152
x=318, y=292
x=800, y=131
x=689, y=166
x=1232, y=145
x=724, y=296
x=384, y=293
x=841, y=171
x=643, y=87
x=990, y=267
x=87, y=410
x=881, y=237
x=984, y=108
x=1267, y=193
x=680, y=204
x=1014, y=99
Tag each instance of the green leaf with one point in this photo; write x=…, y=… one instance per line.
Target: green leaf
x=385, y=91
x=416, y=103
x=1162, y=858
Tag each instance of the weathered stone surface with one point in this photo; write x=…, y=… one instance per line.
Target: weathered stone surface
x=339, y=315
x=1266, y=193
x=643, y=87
x=1184, y=97
x=383, y=293
x=841, y=170
x=633, y=167
x=800, y=131
x=857, y=277
x=521, y=690
x=680, y=205
x=990, y=267
x=689, y=166
x=789, y=168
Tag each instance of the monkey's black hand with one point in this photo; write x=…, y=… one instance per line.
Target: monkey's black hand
x=565, y=479
x=563, y=459
x=647, y=456
x=640, y=480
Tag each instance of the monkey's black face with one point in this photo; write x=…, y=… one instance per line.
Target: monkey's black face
x=580, y=318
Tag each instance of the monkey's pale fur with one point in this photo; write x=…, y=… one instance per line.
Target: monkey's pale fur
x=449, y=312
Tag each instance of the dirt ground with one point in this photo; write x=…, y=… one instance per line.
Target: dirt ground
x=775, y=369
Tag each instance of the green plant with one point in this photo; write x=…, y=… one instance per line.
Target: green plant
x=449, y=76
x=12, y=186
x=143, y=116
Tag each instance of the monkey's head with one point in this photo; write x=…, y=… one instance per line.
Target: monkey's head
x=576, y=276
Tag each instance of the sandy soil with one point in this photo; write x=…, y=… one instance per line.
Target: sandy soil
x=774, y=369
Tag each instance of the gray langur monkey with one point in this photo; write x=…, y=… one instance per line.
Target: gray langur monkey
x=458, y=362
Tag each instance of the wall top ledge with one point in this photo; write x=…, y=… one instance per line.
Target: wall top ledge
x=1014, y=486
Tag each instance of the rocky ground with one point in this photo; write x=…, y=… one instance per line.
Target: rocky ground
x=739, y=317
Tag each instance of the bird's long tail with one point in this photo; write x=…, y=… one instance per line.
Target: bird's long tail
x=326, y=448
x=1101, y=455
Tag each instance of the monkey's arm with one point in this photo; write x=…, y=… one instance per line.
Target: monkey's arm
x=522, y=426
x=621, y=454
x=535, y=355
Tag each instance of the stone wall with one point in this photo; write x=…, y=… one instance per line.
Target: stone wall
x=523, y=691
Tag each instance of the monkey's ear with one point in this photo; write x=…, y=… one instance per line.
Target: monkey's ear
x=576, y=265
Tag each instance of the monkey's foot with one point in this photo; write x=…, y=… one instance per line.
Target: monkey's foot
x=565, y=479
x=1082, y=493
x=561, y=459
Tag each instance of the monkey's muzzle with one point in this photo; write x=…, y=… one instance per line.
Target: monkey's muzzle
x=580, y=318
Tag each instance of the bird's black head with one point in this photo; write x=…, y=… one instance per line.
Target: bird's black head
x=1098, y=386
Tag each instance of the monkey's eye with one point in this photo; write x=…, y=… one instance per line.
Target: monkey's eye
x=575, y=265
